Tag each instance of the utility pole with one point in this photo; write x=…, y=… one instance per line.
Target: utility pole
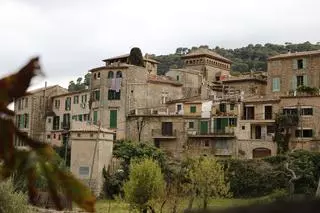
x=94, y=153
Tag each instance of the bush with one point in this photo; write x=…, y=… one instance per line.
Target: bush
x=12, y=201
x=145, y=184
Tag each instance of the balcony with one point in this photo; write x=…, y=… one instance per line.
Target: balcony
x=160, y=134
x=223, y=152
x=159, y=111
x=227, y=133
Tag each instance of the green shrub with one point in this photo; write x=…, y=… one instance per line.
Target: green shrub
x=145, y=184
x=12, y=201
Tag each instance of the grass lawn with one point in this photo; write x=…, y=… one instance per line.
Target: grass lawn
x=106, y=206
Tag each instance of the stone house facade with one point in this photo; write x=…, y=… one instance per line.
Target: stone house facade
x=31, y=111
x=66, y=109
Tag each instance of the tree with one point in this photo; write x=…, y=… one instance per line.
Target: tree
x=135, y=57
x=141, y=123
x=126, y=151
x=285, y=124
x=38, y=154
x=145, y=184
x=208, y=180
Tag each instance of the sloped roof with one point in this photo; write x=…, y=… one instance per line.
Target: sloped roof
x=206, y=52
x=127, y=55
x=296, y=54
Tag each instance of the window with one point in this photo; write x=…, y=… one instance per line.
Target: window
x=98, y=76
x=300, y=81
x=178, y=78
x=19, y=104
x=26, y=102
x=306, y=111
x=113, y=119
x=113, y=95
x=83, y=98
x=110, y=74
x=222, y=107
x=91, y=135
x=85, y=117
x=56, y=122
x=59, y=137
x=157, y=143
x=193, y=109
x=243, y=127
x=74, y=117
x=119, y=74
x=95, y=76
x=179, y=107
x=48, y=136
x=67, y=104
x=232, y=121
x=76, y=99
x=84, y=170
x=167, y=128
x=191, y=124
x=66, y=121
x=26, y=121
x=57, y=104
x=231, y=106
x=300, y=64
x=80, y=117
x=305, y=133
x=290, y=111
x=96, y=95
x=267, y=112
x=95, y=117
x=275, y=84
x=49, y=120
x=78, y=135
x=206, y=143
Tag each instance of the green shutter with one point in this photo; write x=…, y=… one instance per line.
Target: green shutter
x=305, y=80
x=21, y=121
x=113, y=119
x=294, y=64
x=275, y=84
x=224, y=123
x=294, y=82
x=204, y=127
x=95, y=117
x=304, y=63
x=27, y=120
x=193, y=109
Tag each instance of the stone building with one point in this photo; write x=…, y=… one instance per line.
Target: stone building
x=66, y=108
x=32, y=109
x=91, y=151
x=119, y=89
x=288, y=74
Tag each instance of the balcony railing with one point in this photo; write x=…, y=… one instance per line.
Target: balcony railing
x=214, y=133
x=159, y=133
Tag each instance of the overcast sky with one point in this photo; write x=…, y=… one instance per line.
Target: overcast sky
x=73, y=36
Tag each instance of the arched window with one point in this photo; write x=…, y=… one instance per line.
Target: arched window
x=110, y=74
x=119, y=74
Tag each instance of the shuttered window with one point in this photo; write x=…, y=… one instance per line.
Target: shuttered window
x=113, y=119
x=193, y=109
x=275, y=84
x=95, y=117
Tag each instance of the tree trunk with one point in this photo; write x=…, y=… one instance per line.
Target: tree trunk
x=318, y=189
x=190, y=202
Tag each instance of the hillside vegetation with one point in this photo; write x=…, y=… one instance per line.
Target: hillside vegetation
x=252, y=57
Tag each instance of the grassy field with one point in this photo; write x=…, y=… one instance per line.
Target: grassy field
x=106, y=206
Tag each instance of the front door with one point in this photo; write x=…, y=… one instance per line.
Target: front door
x=258, y=132
x=204, y=127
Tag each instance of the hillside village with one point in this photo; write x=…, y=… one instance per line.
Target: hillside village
x=199, y=109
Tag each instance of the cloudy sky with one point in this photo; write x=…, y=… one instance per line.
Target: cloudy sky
x=73, y=36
